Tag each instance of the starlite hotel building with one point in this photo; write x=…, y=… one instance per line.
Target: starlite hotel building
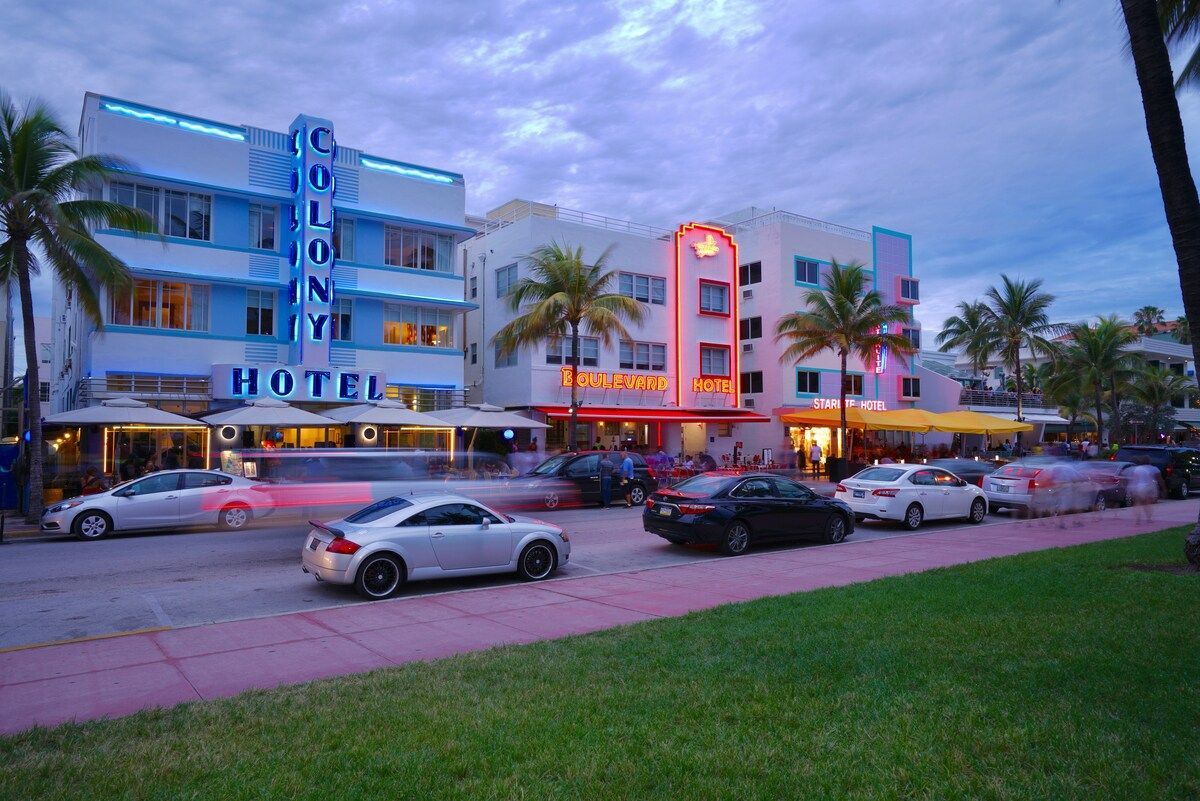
x=291, y=266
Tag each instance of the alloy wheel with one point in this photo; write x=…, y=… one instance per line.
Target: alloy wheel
x=637, y=495
x=235, y=517
x=737, y=539
x=93, y=526
x=551, y=500
x=978, y=510
x=537, y=561
x=837, y=529
x=380, y=577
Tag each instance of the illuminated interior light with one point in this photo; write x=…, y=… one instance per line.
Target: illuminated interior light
x=165, y=119
x=407, y=172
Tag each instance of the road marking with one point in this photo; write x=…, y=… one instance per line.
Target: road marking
x=89, y=638
x=160, y=615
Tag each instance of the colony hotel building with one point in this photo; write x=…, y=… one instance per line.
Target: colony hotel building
x=703, y=372
x=294, y=267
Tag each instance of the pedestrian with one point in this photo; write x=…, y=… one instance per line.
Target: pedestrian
x=1145, y=486
x=814, y=458
x=627, y=479
x=606, y=475
x=92, y=483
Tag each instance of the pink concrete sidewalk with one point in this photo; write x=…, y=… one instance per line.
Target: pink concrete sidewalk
x=121, y=675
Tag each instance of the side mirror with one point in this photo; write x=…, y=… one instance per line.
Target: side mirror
x=486, y=524
x=122, y=494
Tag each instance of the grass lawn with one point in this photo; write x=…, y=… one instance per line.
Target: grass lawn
x=1046, y=676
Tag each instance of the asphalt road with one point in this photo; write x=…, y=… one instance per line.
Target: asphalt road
x=61, y=588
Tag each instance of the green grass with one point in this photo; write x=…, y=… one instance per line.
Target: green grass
x=1045, y=676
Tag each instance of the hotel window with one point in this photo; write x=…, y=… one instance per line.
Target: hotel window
x=343, y=239
x=260, y=312
x=558, y=351
x=750, y=273
x=913, y=335
x=474, y=286
x=808, y=382
x=183, y=214
x=417, y=250
x=474, y=353
x=910, y=289
x=506, y=280
x=170, y=305
x=138, y=196
x=714, y=360
x=752, y=383
x=714, y=298
x=341, y=328
x=808, y=272
x=262, y=226
x=645, y=288
x=414, y=325
x=853, y=384
x=643, y=356
x=505, y=359
x=724, y=429
x=750, y=328
x=910, y=387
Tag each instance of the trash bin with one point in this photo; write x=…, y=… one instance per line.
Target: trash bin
x=837, y=468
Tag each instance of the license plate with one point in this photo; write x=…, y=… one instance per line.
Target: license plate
x=860, y=493
x=312, y=546
x=665, y=511
x=1001, y=488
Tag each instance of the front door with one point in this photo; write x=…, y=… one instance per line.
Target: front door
x=202, y=496
x=798, y=511
x=758, y=506
x=150, y=502
x=584, y=473
x=956, y=500
x=462, y=540
x=927, y=493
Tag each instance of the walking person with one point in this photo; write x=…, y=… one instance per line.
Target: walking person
x=814, y=458
x=606, y=475
x=1145, y=486
x=627, y=479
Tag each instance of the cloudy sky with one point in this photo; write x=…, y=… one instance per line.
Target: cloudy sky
x=1005, y=137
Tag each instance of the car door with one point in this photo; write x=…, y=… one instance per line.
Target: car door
x=956, y=494
x=202, y=495
x=584, y=473
x=798, y=510
x=927, y=493
x=150, y=502
x=755, y=502
x=462, y=541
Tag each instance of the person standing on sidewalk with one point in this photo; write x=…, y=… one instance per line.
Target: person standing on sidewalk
x=627, y=478
x=814, y=458
x=606, y=474
x=1145, y=486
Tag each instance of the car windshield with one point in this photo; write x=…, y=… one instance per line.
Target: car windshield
x=702, y=485
x=378, y=509
x=552, y=465
x=880, y=474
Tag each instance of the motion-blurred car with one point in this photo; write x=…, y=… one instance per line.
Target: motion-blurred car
x=1112, y=478
x=1180, y=467
x=579, y=474
x=734, y=511
x=1043, y=487
x=437, y=535
x=970, y=470
x=169, y=499
x=911, y=494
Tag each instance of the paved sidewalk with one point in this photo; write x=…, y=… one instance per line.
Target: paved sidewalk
x=120, y=675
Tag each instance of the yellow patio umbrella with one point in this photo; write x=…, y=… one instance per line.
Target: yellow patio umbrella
x=967, y=422
x=856, y=417
x=910, y=419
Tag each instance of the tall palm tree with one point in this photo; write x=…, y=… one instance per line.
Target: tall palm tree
x=1156, y=389
x=1066, y=391
x=1018, y=316
x=45, y=224
x=847, y=318
x=1096, y=356
x=561, y=297
x=968, y=330
x=1181, y=333
x=1147, y=319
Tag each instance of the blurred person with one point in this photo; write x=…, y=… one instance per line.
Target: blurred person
x=1145, y=486
x=627, y=479
x=92, y=482
x=606, y=476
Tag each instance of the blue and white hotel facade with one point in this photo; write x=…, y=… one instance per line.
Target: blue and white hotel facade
x=290, y=267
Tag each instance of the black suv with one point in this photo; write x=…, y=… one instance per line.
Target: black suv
x=1180, y=467
x=582, y=470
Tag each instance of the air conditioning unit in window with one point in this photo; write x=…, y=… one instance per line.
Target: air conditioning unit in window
x=747, y=294
x=747, y=347
x=748, y=403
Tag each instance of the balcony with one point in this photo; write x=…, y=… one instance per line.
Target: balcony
x=981, y=397
x=160, y=387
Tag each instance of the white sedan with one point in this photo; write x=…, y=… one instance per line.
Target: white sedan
x=910, y=494
x=423, y=536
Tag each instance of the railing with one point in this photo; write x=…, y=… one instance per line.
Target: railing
x=531, y=209
x=175, y=387
x=980, y=397
x=772, y=217
x=420, y=399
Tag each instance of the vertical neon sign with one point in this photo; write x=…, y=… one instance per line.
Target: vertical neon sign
x=310, y=289
x=881, y=352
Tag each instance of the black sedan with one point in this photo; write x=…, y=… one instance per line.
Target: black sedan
x=734, y=511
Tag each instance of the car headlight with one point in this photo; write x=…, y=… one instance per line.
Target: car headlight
x=64, y=506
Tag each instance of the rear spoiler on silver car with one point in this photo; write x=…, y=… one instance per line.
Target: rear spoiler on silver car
x=336, y=532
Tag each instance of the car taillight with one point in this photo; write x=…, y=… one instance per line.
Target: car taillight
x=1169, y=469
x=885, y=493
x=343, y=546
x=649, y=502
x=695, y=508
x=840, y=488
x=1032, y=484
x=978, y=481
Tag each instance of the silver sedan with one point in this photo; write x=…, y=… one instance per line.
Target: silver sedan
x=423, y=536
x=168, y=499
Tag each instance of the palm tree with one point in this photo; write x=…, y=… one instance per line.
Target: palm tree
x=1156, y=389
x=1181, y=333
x=1096, y=356
x=44, y=224
x=1147, y=319
x=968, y=330
x=561, y=297
x=1066, y=391
x=847, y=318
x=1017, y=315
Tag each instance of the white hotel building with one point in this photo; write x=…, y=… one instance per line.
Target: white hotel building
x=703, y=372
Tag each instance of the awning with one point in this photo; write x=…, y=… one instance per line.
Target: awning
x=486, y=416
x=966, y=422
x=120, y=411
x=384, y=413
x=856, y=417
x=655, y=414
x=270, y=412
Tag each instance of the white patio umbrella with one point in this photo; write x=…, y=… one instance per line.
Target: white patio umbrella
x=117, y=412
x=385, y=413
x=484, y=415
x=269, y=412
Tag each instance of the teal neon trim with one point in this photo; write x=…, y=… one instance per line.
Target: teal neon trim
x=414, y=299
x=407, y=171
x=194, y=125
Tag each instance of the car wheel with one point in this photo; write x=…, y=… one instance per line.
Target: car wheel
x=551, y=500
x=92, y=525
x=1100, y=505
x=835, y=529
x=637, y=495
x=1184, y=490
x=536, y=561
x=379, y=577
x=978, y=511
x=234, y=517
x=736, y=540
x=913, y=516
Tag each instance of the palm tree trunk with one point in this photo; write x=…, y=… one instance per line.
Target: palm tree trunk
x=1099, y=412
x=33, y=385
x=1017, y=374
x=842, y=407
x=574, y=385
x=1114, y=419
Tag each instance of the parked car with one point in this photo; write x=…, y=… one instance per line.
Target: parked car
x=736, y=511
x=911, y=494
x=1042, y=487
x=970, y=470
x=169, y=499
x=1180, y=467
x=436, y=535
x=581, y=472
x=1112, y=479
